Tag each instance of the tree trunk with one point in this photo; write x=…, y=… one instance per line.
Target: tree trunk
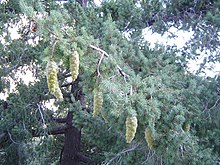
x=71, y=143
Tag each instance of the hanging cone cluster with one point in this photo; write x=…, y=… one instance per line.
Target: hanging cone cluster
x=149, y=138
x=131, y=127
x=52, y=81
x=98, y=101
x=74, y=65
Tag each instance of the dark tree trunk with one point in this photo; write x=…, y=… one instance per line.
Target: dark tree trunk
x=71, y=143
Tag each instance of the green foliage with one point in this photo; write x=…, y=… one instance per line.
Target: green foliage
x=153, y=84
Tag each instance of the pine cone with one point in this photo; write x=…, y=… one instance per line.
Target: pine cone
x=149, y=138
x=74, y=65
x=131, y=126
x=58, y=94
x=52, y=80
x=186, y=126
x=51, y=72
x=98, y=101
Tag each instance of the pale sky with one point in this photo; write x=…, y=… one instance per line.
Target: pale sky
x=180, y=41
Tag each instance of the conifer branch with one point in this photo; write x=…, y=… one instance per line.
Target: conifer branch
x=123, y=74
x=53, y=131
x=98, y=66
x=214, y=106
x=84, y=158
x=55, y=36
x=12, y=139
x=100, y=50
x=41, y=115
x=67, y=84
x=58, y=130
x=59, y=120
x=134, y=147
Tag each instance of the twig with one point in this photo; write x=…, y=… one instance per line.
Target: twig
x=149, y=156
x=122, y=73
x=215, y=105
x=103, y=53
x=12, y=139
x=99, y=63
x=41, y=115
x=53, y=34
x=54, y=46
x=121, y=153
x=100, y=50
x=67, y=84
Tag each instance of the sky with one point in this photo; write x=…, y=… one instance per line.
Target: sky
x=180, y=41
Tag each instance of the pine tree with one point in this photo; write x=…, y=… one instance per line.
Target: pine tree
x=115, y=99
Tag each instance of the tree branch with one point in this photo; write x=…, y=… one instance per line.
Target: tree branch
x=85, y=159
x=67, y=84
x=125, y=151
x=59, y=120
x=122, y=73
x=58, y=130
x=98, y=49
x=53, y=131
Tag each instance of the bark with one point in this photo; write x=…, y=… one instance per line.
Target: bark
x=59, y=120
x=71, y=144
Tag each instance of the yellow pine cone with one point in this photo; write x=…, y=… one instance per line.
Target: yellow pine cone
x=58, y=94
x=131, y=127
x=51, y=73
x=98, y=101
x=74, y=65
x=149, y=138
x=186, y=126
x=52, y=80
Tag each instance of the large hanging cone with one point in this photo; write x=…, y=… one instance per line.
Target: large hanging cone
x=74, y=65
x=149, y=138
x=52, y=80
x=131, y=127
x=98, y=101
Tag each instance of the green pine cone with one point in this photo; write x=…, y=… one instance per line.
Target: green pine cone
x=52, y=80
x=98, y=101
x=149, y=138
x=51, y=73
x=74, y=65
x=186, y=126
x=131, y=127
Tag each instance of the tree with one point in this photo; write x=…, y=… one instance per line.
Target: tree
x=115, y=100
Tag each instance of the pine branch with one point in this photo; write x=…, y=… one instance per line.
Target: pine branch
x=85, y=159
x=58, y=130
x=67, y=84
x=104, y=53
x=125, y=151
x=98, y=49
x=53, y=131
x=59, y=120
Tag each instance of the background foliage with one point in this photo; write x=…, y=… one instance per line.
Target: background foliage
x=153, y=84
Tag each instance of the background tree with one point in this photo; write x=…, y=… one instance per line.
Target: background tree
x=129, y=104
